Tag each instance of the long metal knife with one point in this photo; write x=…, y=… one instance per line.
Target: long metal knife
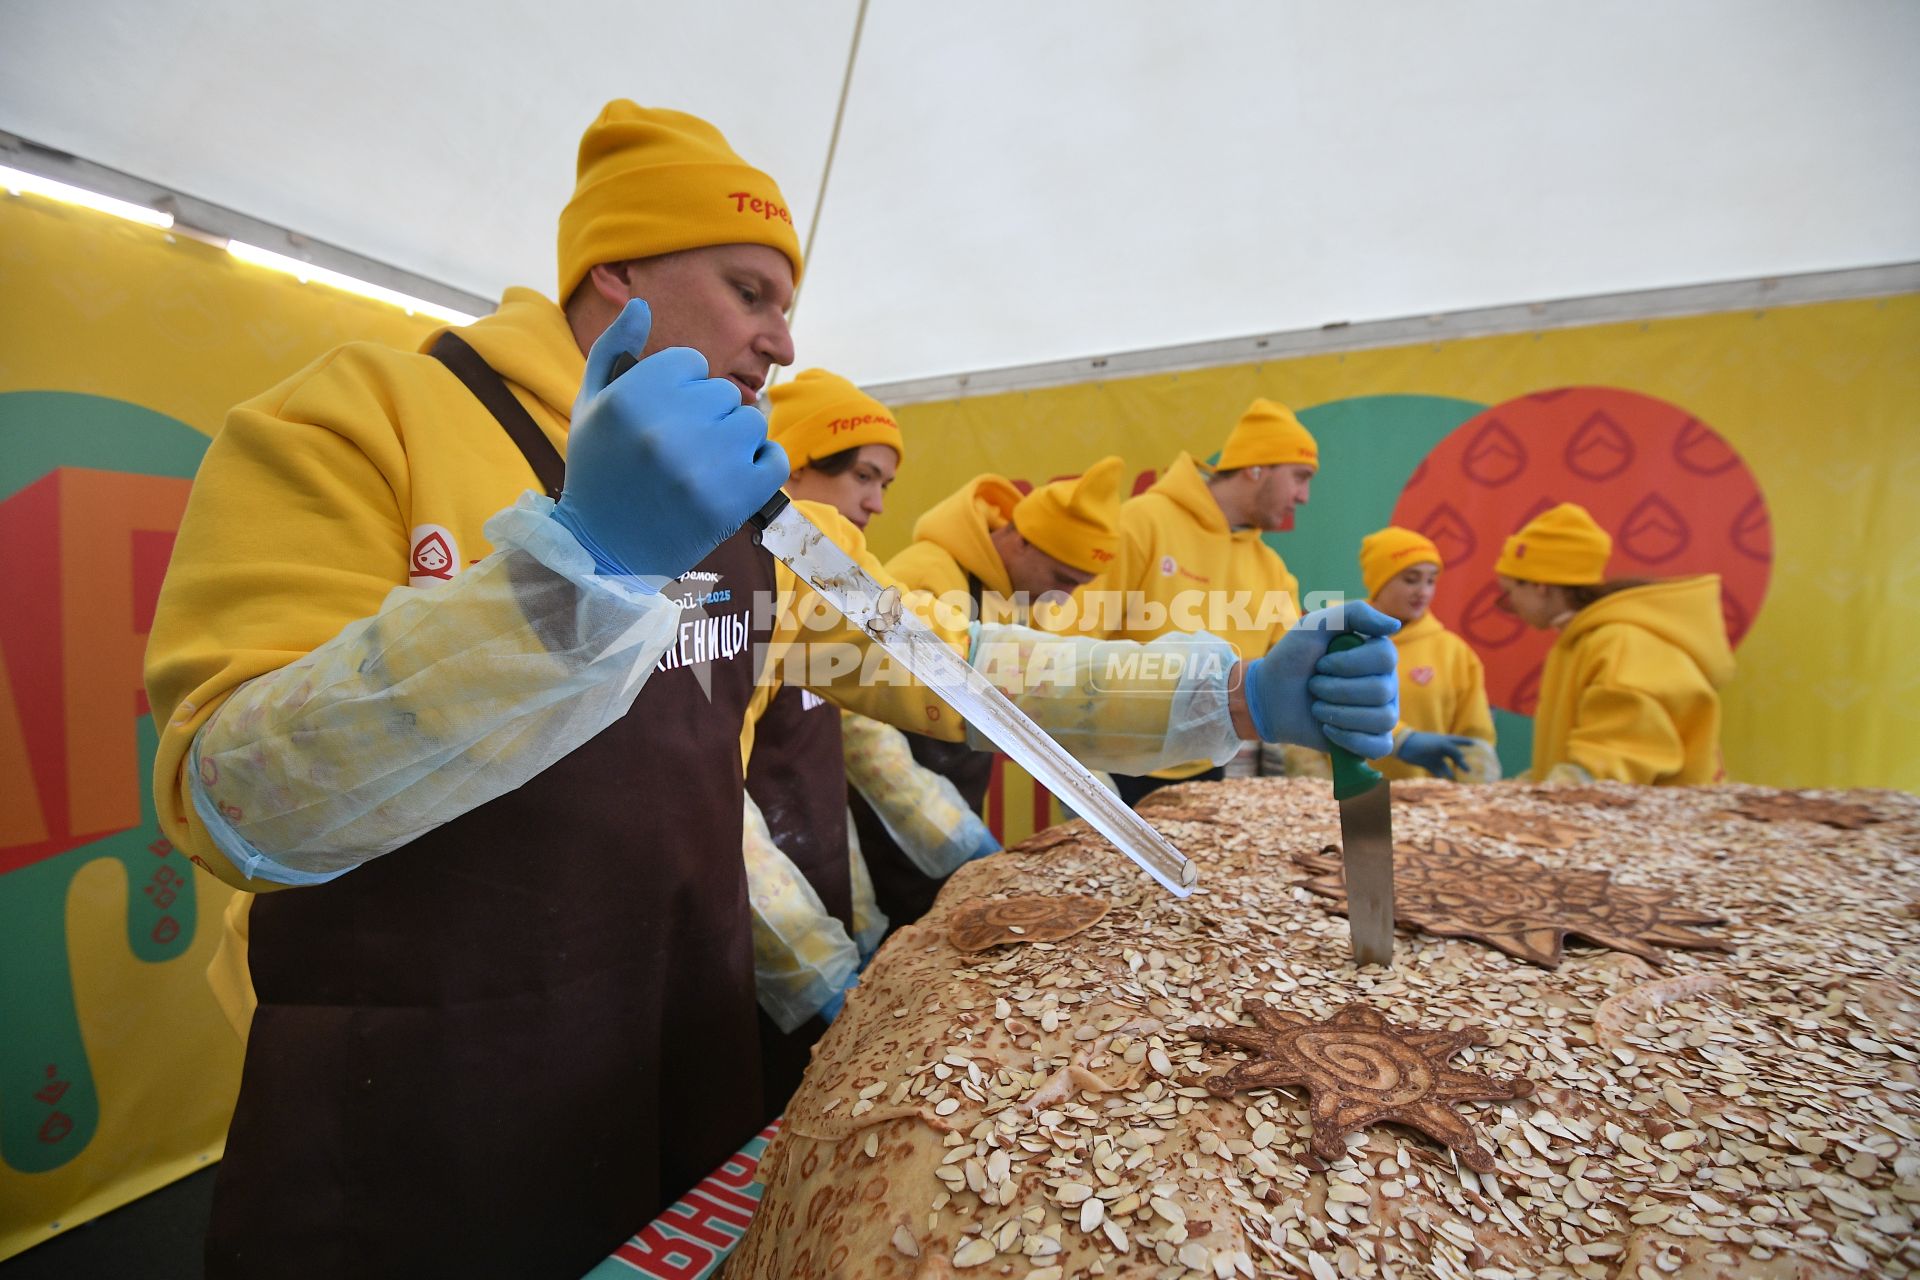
x=1366, y=846
x=879, y=612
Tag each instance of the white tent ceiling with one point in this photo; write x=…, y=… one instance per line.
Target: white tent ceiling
x=1025, y=180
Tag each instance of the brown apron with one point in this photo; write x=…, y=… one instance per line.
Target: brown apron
x=904, y=892
x=503, y=1048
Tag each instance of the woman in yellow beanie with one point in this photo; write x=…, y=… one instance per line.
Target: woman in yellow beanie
x=1443, y=685
x=1630, y=691
x=815, y=920
x=843, y=446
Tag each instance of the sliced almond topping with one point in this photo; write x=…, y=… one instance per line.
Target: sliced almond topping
x=973, y=1252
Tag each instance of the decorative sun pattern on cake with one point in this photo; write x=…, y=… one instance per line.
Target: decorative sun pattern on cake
x=1362, y=1069
x=1521, y=907
x=988, y=922
x=1788, y=806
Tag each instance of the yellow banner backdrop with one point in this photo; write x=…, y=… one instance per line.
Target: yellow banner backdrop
x=1772, y=447
x=121, y=348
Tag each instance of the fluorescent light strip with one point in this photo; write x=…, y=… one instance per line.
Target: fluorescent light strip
x=306, y=271
x=18, y=181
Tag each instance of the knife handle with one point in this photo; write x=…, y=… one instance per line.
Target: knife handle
x=1351, y=774
x=775, y=505
x=759, y=519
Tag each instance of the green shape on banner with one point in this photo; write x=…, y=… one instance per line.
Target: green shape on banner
x=1370, y=447
x=1515, y=745
x=49, y=1104
x=42, y=430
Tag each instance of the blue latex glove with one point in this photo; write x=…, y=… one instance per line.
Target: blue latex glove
x=1438, y=753
x=1299, y=693
x=663, y=462
x=984, y=845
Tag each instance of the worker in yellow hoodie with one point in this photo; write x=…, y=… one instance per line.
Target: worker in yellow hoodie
x=1631, y=688
x=451, y=664
x=984, y=551
x=994, y=552
x=1443, y=685
x=815, y=920
x=1192, y=557
x=435, y=625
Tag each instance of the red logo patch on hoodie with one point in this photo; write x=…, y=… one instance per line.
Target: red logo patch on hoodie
x=435, y=556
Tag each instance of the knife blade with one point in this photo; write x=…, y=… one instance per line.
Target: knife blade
x=1366, y=846
x=879, y=612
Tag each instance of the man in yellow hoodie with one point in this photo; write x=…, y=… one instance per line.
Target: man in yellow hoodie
x=984, y=551
x=991, y=551
x=1443, y=684
x=368, y=638
x=1630, y=691
x=1192, y=557
x=377, y=637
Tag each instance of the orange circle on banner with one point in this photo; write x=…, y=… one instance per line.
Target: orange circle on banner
x=1677, y=498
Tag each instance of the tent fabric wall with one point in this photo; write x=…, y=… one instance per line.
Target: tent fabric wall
x=1020, y=182
x=1812, y=409
x=121, y=349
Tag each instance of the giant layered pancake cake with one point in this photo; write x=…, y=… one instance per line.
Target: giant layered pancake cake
x=1588, y=1076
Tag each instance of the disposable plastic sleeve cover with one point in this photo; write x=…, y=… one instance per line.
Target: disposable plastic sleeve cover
x=1117, y=705
x=1568, y=773
x=922, y=810
x=869, y=922
x=1483, y=763
x=801, y=955
x=447, y=697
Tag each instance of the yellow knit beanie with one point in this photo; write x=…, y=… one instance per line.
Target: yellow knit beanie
x=1390, y=551
x=1077, y=521
x=821, y=413
x=1563, y=546
x=1268, y=435
x=653, y=181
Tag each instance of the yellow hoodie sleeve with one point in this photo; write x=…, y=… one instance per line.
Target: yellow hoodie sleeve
x=1472, y=716
x=1621, y=730
x=1623, y=734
